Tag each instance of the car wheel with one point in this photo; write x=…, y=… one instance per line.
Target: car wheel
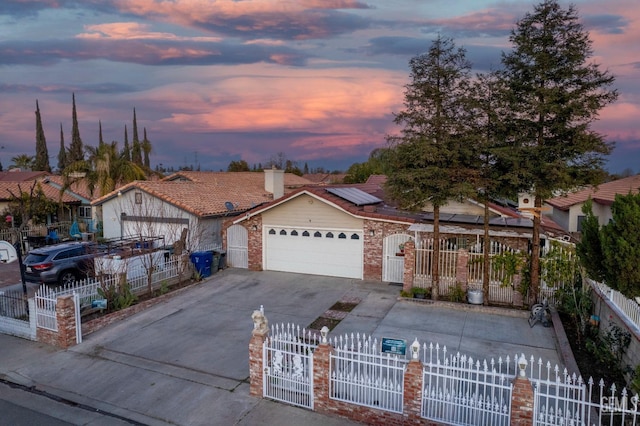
x=67, y=277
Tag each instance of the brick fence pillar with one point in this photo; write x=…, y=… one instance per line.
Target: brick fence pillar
x=462, y=270
x=409, y=265
x=522, y=402
x=413, y=392
x=66, y=317
x=321, y=367
x=256, y=368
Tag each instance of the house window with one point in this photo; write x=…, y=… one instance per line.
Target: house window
x=138, y=197
x=355, y=237
x=305, y=234
x=329, y=235
x=283, y=232
x=317, y=234
x=272, y=232
x=84, y=212
x=294, y=233
x=580, y=220
x=342, y=236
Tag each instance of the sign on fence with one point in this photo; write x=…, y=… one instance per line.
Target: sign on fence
x=394, y=346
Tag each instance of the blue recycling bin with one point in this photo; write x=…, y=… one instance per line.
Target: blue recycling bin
x=202, y=262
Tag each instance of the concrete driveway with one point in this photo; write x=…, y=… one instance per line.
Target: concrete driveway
x=185, y=361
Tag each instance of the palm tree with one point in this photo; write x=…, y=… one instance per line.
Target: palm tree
x=104, y=170
x=22, y=161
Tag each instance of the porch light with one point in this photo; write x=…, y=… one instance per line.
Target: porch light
x=415, y=349
x=372, y=232
x=254, y=227
x=522, y=365
x=324, y=331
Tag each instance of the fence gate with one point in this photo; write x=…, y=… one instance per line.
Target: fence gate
x=288, y=360
x=237, y=246
x=393, y=255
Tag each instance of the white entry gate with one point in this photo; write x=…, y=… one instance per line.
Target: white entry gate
x=393, y=255
x=237, y=246
x=288, y=360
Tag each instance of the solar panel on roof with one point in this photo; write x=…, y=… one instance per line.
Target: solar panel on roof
x=355, y=196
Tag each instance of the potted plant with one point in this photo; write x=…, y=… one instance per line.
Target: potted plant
x=419, y=292
x=400, y=251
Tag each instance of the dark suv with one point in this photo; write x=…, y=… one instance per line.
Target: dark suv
x=62, y=263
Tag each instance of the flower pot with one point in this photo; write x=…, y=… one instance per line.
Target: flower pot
x=475, y=297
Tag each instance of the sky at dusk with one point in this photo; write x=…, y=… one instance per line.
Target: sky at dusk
x=219, y=80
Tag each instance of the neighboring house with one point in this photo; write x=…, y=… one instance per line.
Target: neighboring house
x=82, y=212
x=197, y=201
x=69, y=202
x=16, y=175
x=325, y=178
x=566, y=210
x=352, y=231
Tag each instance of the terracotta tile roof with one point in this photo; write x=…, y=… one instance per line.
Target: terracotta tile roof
x=20, y=176
x=604, y=194
x=325, y=178
x=6, y=188
x=208, y=193
x=79, y=186
x=242, y=180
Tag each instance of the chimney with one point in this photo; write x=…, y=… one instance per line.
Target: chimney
x=274, y=182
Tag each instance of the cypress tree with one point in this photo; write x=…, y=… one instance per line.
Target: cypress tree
x=42, y=154
x=146, y=149
x=62, y=155
x=126, y=151
x=136, y=154
x=100, y=140
x=75, y=149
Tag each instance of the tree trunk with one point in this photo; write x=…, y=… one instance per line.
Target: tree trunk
x=435, y=266
x=535, y=251
x=485, y=256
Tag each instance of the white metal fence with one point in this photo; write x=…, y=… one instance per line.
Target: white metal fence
x=362, y=375
x=288, y=365
x=87, y=290
x=13, y=304
x=458, y=390
x=46, y=300
x=628, y=307
x=563, y=399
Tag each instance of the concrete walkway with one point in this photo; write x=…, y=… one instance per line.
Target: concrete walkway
x=185, y=361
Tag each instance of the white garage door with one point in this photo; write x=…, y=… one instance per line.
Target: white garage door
x=314, y=251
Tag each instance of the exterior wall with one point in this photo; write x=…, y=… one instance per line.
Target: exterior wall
x=373, y=245
x=308, y=212
x=156, y=218
x=609, y=315
x=568, y=219
x=254, y=236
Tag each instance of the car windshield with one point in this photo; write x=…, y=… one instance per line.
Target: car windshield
x=35, y=258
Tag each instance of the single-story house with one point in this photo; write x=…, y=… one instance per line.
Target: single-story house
x=197, y=201
x=566, y=210
x=352, y=231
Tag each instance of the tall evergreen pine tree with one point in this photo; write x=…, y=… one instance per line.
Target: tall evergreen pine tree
x=146, y=149
x=136, y=154
x=126, y=151
x=76, y=152
x=62, y=154
x=41, y=162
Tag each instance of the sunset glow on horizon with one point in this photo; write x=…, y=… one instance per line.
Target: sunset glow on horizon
x=217, y=81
